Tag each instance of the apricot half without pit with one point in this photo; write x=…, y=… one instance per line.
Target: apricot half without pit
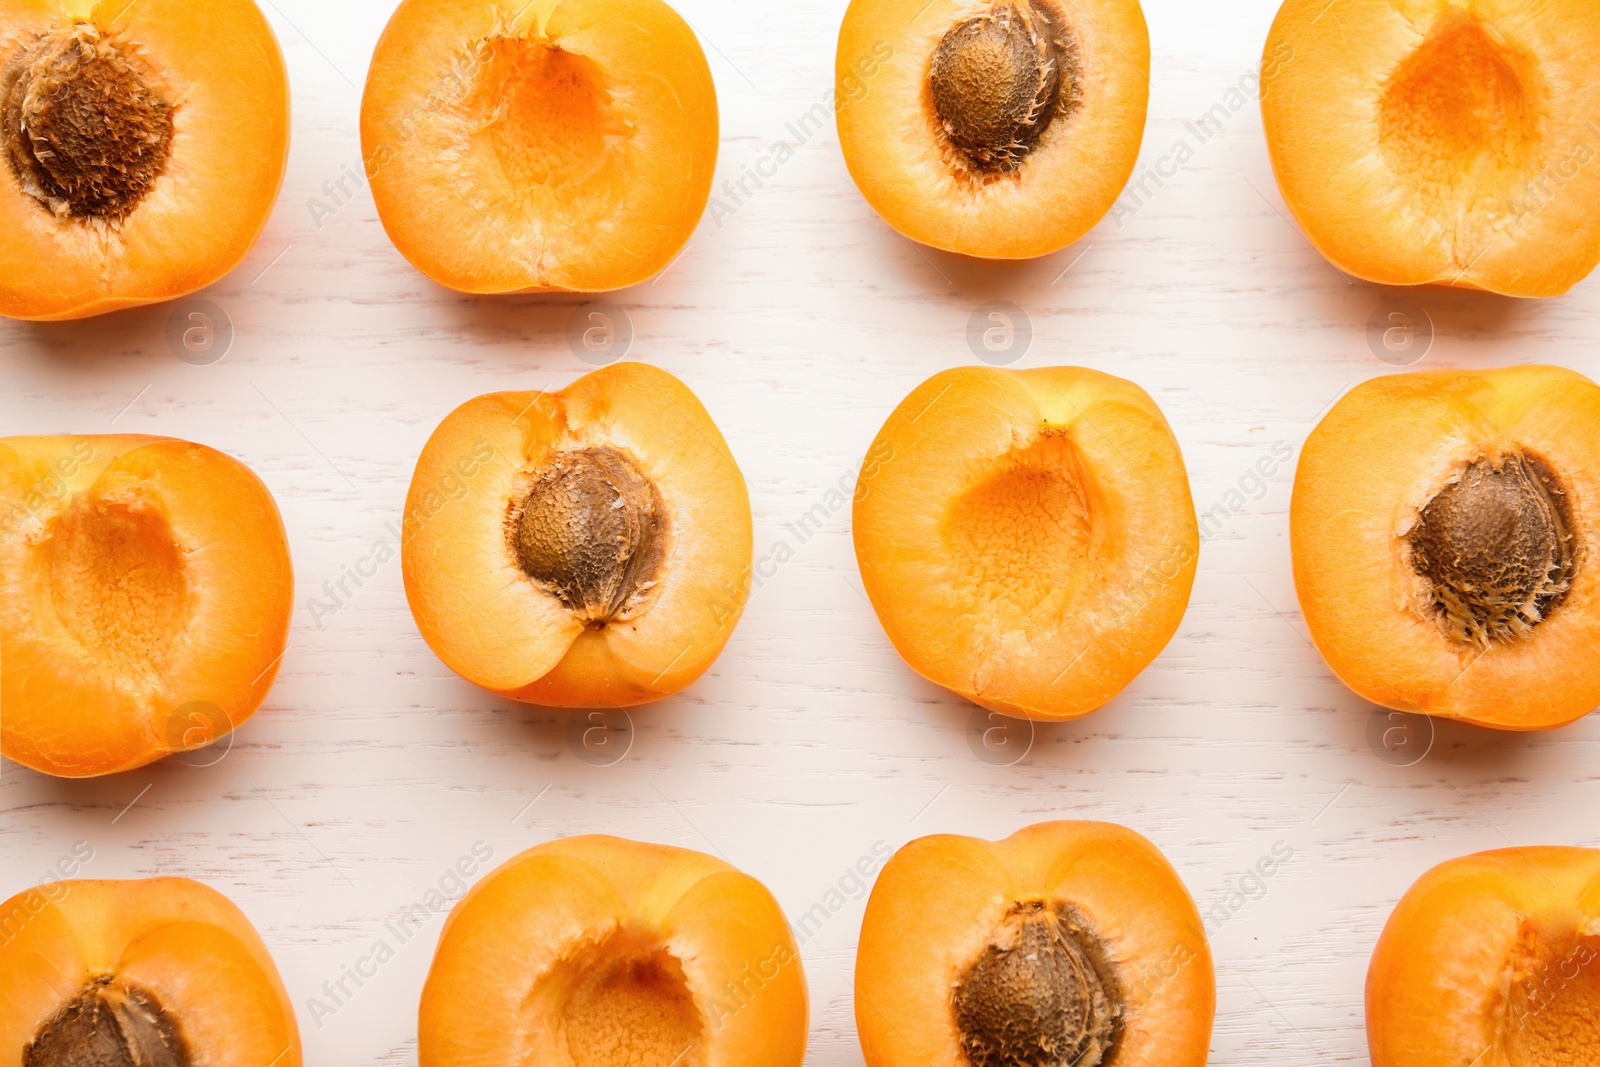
x=1027, y=538
x=1440, y=142
x=518, y=145
x=1492, y=958
x=161, y=972
x=585, y=548
x=141, y=149
x=596, y=951
x=1004, y=129
x=1068, y=944
x=145, y=594
x=1442, y=527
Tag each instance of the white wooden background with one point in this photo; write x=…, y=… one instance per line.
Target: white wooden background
x=800, y=320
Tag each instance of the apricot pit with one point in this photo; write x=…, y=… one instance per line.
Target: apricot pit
x=1043, y=992
x=108, y=1022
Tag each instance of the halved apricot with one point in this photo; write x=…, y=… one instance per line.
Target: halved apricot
x=1027, y=537
x=1443, y=527
x=516, y=145
x=145, y=593
x=601, y=952
x=1004, y=129
x=586, y=548
x=1440, y=143
x=144, y=145
x=1066, y=943
x=1492, y=958
x=160, y=972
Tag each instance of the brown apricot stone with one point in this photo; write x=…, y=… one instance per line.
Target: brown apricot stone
x=1042, y=994
x=1496, y=549
x=998, y=80
x=590, y=531
x=109, y=1023
x=85, y=133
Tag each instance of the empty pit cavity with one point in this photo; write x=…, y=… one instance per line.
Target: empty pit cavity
x=1553, y=1007
x=1459, y=111
x=118, y=583
x=1024, y=532
x=546, y=118
x=628, y=1004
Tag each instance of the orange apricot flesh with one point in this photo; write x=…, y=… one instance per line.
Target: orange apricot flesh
x=1440, y=143
x=602, y=952
x=143, y=147
x=1027, y=538
x=1491, y=958
x=145, y=594
x=583, y=548
x=1066, y=943
x=1442, y=527
x=160, y=972
x=1003, y=130
x=554, y=144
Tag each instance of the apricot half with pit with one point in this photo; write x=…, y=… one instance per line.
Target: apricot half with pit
x=1442, y=527
x=163, y=972
x=1003, y=129
x=1492, y=958
x=1440, y=143
x=1027, y=537
x=553, y=144
x=143, y=145
x=600, y=952
x=585, y=548
x=145, y=594
x=1068, y=944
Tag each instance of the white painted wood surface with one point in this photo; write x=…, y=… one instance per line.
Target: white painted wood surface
x=800, y=320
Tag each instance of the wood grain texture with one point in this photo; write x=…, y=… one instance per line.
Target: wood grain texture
x=801, y=321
